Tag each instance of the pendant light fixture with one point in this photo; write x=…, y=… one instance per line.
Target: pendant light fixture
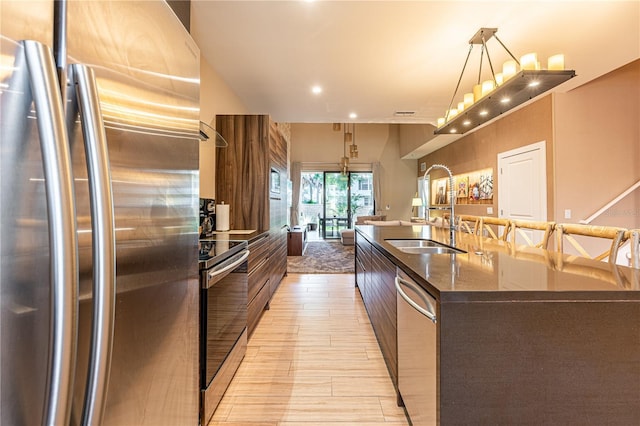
x=344, y=161
x=520, y=81
x=353, y=148
x=348, y=138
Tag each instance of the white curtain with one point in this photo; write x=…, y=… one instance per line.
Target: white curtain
x=377, y=189
x=295, y=193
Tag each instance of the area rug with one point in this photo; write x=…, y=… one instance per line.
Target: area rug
x=323, y=257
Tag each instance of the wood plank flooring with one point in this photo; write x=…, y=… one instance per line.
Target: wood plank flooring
x=313, y=359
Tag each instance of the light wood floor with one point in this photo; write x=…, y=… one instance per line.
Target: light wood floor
x=313, y=359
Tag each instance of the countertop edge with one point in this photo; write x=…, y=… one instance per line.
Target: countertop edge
x=453, y=295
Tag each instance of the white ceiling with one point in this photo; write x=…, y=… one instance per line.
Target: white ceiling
x=378, y=57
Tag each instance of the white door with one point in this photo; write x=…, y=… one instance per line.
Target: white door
x=522, y=184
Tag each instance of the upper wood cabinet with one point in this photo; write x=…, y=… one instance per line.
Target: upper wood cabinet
x=243, y=170
x=251, y=176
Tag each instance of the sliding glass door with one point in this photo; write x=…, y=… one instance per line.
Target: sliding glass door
x=336, y=206
x=331, y=201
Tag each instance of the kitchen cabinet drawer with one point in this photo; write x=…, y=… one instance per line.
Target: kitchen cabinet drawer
x=257, y=278
x=258, y=251
x=256, y=306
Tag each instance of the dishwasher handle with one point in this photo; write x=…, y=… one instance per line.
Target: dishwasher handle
x=431, y=313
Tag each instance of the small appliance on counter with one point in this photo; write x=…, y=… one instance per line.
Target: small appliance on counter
x=207, y=217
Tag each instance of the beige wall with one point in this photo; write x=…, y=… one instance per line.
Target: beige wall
x=480, y=149
x=413, y=136
x=593, y=148
x=319, y=146
x=597, y=131
x=215, y=98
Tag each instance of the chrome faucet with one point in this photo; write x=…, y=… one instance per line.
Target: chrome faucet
x=452, y=200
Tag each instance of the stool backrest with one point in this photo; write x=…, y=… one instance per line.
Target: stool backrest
x=634, y=240
x=487, y=223
x=519, y=228
x=567, y=231
x=468, y=223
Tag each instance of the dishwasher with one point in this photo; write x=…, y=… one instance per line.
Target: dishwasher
x=417, y=346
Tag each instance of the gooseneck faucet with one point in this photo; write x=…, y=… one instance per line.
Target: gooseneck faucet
x=452, y=217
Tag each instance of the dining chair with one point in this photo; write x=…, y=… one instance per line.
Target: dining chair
x=568, y=231
x=527, y=230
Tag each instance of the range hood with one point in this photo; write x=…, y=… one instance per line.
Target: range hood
x=207, y=132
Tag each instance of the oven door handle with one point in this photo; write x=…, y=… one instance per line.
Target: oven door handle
x=212, y=274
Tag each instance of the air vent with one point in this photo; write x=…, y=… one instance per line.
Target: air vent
x=404, y=113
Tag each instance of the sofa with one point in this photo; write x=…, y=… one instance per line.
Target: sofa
x=347, y=236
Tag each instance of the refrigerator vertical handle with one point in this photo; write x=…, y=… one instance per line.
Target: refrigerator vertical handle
x=104, y=246
x=63, y=240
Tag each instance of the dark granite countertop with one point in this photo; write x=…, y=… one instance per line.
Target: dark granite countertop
x=493, y=270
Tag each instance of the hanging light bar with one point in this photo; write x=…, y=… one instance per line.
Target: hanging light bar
x=504, y=91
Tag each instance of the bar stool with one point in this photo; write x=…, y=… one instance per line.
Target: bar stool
x=566, y=231
x=468, y=223
x=520, y=228
x=487, y=223
x=634, y=240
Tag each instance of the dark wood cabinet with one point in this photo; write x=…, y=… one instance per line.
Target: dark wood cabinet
x=382, y=302
x=278, y=205
x=375, y=275
x=252, y=176
x=363, y=265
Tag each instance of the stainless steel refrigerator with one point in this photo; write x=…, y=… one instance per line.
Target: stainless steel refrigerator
x=98, y=214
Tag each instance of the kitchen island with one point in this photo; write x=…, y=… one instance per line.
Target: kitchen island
x=523, y=335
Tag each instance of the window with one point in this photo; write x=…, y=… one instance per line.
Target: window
x=364, y=185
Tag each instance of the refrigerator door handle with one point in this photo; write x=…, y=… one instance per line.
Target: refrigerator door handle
x=63, y=240
x=103, y=243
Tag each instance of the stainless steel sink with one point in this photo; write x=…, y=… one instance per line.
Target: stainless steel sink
x=421, y=246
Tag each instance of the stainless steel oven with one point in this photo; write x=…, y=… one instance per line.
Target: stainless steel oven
x=223, y=318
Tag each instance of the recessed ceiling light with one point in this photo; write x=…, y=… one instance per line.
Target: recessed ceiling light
x=353, y=115
x=316, y=90
x=466, y=122
x=505, y=100
x=484, y=112
x=534, y=84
